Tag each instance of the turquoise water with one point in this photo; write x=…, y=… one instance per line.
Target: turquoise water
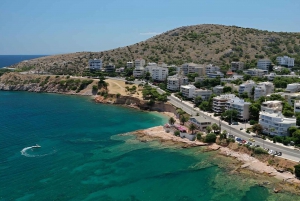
x=82, y=157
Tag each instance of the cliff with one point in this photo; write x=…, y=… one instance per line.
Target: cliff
x=49, y=84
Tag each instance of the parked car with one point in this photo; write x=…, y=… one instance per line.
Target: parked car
x=241, y=128
x=279, y=154
x=251, y=139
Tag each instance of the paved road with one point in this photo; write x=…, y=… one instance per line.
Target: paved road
x=287, y=152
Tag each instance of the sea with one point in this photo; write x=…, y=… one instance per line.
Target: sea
x=88, y=152
x=7, y=60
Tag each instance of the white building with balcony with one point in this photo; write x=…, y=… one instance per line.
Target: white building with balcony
x=286, y=61
x=297, y=106
x=218, y=90
x=109, y=68
x=263, y=89
x=235, y=66
x=130, y=64
x=275, y=123
x=247, y=87
x=220, y=102
x=159, y=73
x=293, y=88
x=256, y=72
x=271, y=106
x=211, y=68
x=264, y=64
x=240, y=106
x=203, y=93
x=139, y=63
x=188, y=91
x=95, y=64
x=174, y=82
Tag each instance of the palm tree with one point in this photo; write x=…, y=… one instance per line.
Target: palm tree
x=172, y=121
x=183, y=119
x=192, y=127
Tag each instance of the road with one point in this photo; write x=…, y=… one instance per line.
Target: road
x=287, y=152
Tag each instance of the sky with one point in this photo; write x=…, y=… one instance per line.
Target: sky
x=31, y=27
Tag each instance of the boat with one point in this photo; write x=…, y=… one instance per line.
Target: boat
x=36, y=146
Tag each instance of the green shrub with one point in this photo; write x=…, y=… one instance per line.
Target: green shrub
x=95, y=87
x=210, y=138
x=260, y=150
x=177, y=133
x=297, y=170
x=57, y=76
x=252, y=122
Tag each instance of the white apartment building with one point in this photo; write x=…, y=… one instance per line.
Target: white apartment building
x=297, y=106
x=139, y=63
x=189, y=68
x=264, y=64
x=203, y=93
x=263, y=89
x=211, y=68
x=286, y=61
x=174, y=82
x=215, y=74
x=159, y=73
x=188, y=90
x=247, y=87
x=275, y=123
x=271, y=106
x=293, y=88
x=130, y=64
x=220, y=102
x=95, y=64
x=256, y=72
x=235, y=66
x=240, y=106
x=218, y=90
x=109, y=68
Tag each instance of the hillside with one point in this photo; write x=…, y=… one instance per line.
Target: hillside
x=207, y=43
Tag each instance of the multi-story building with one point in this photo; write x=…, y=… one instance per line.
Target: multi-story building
x=271, y=106
x=275, y=123
x=293, y=88
x=297, y=106
x=263, y=89
x=120, y=70
x=188, y=91
x=189, y=68
x=203, y=93
x=174, y=82
x=264, y=64
x=235, y=66
x=95, y=64
x=139, y=63
x=200, y=70
x=286, y=61
x=220, y=102
x=256, y=72
x=130, y=64
x=109, y=68
x=240, y=106
x=211, y=68
x=200, y=121
x=215, y=74
x=159, y=73
x=247, y=87
x=290, y=97
x=218, y=90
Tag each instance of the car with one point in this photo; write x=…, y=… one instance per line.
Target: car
x=249, y=143
x=279, y=153
x=251, y=139
x=235, y=123
x=238, y=139
x=257, y=145
x=244, y=141
x=241, y=128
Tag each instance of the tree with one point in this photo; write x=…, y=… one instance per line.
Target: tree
x=296, y=136
x=227, y=89
x=176, y=133
x=223, y=135
x=229, y=115
x=147, y=76
x=199, y=135
x=297, y=170
x=198, y=100
x=246, y=77
x=215, y=127
x=210, y=138
x=244, y=95
x=192, y=127
x=208, y=129
x=288, y=113
x=254, y=110
x=204, y=106
x=257, y=128
x=183, y=119
x=172, y=120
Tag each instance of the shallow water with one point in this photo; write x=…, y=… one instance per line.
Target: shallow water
x=82, y=157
